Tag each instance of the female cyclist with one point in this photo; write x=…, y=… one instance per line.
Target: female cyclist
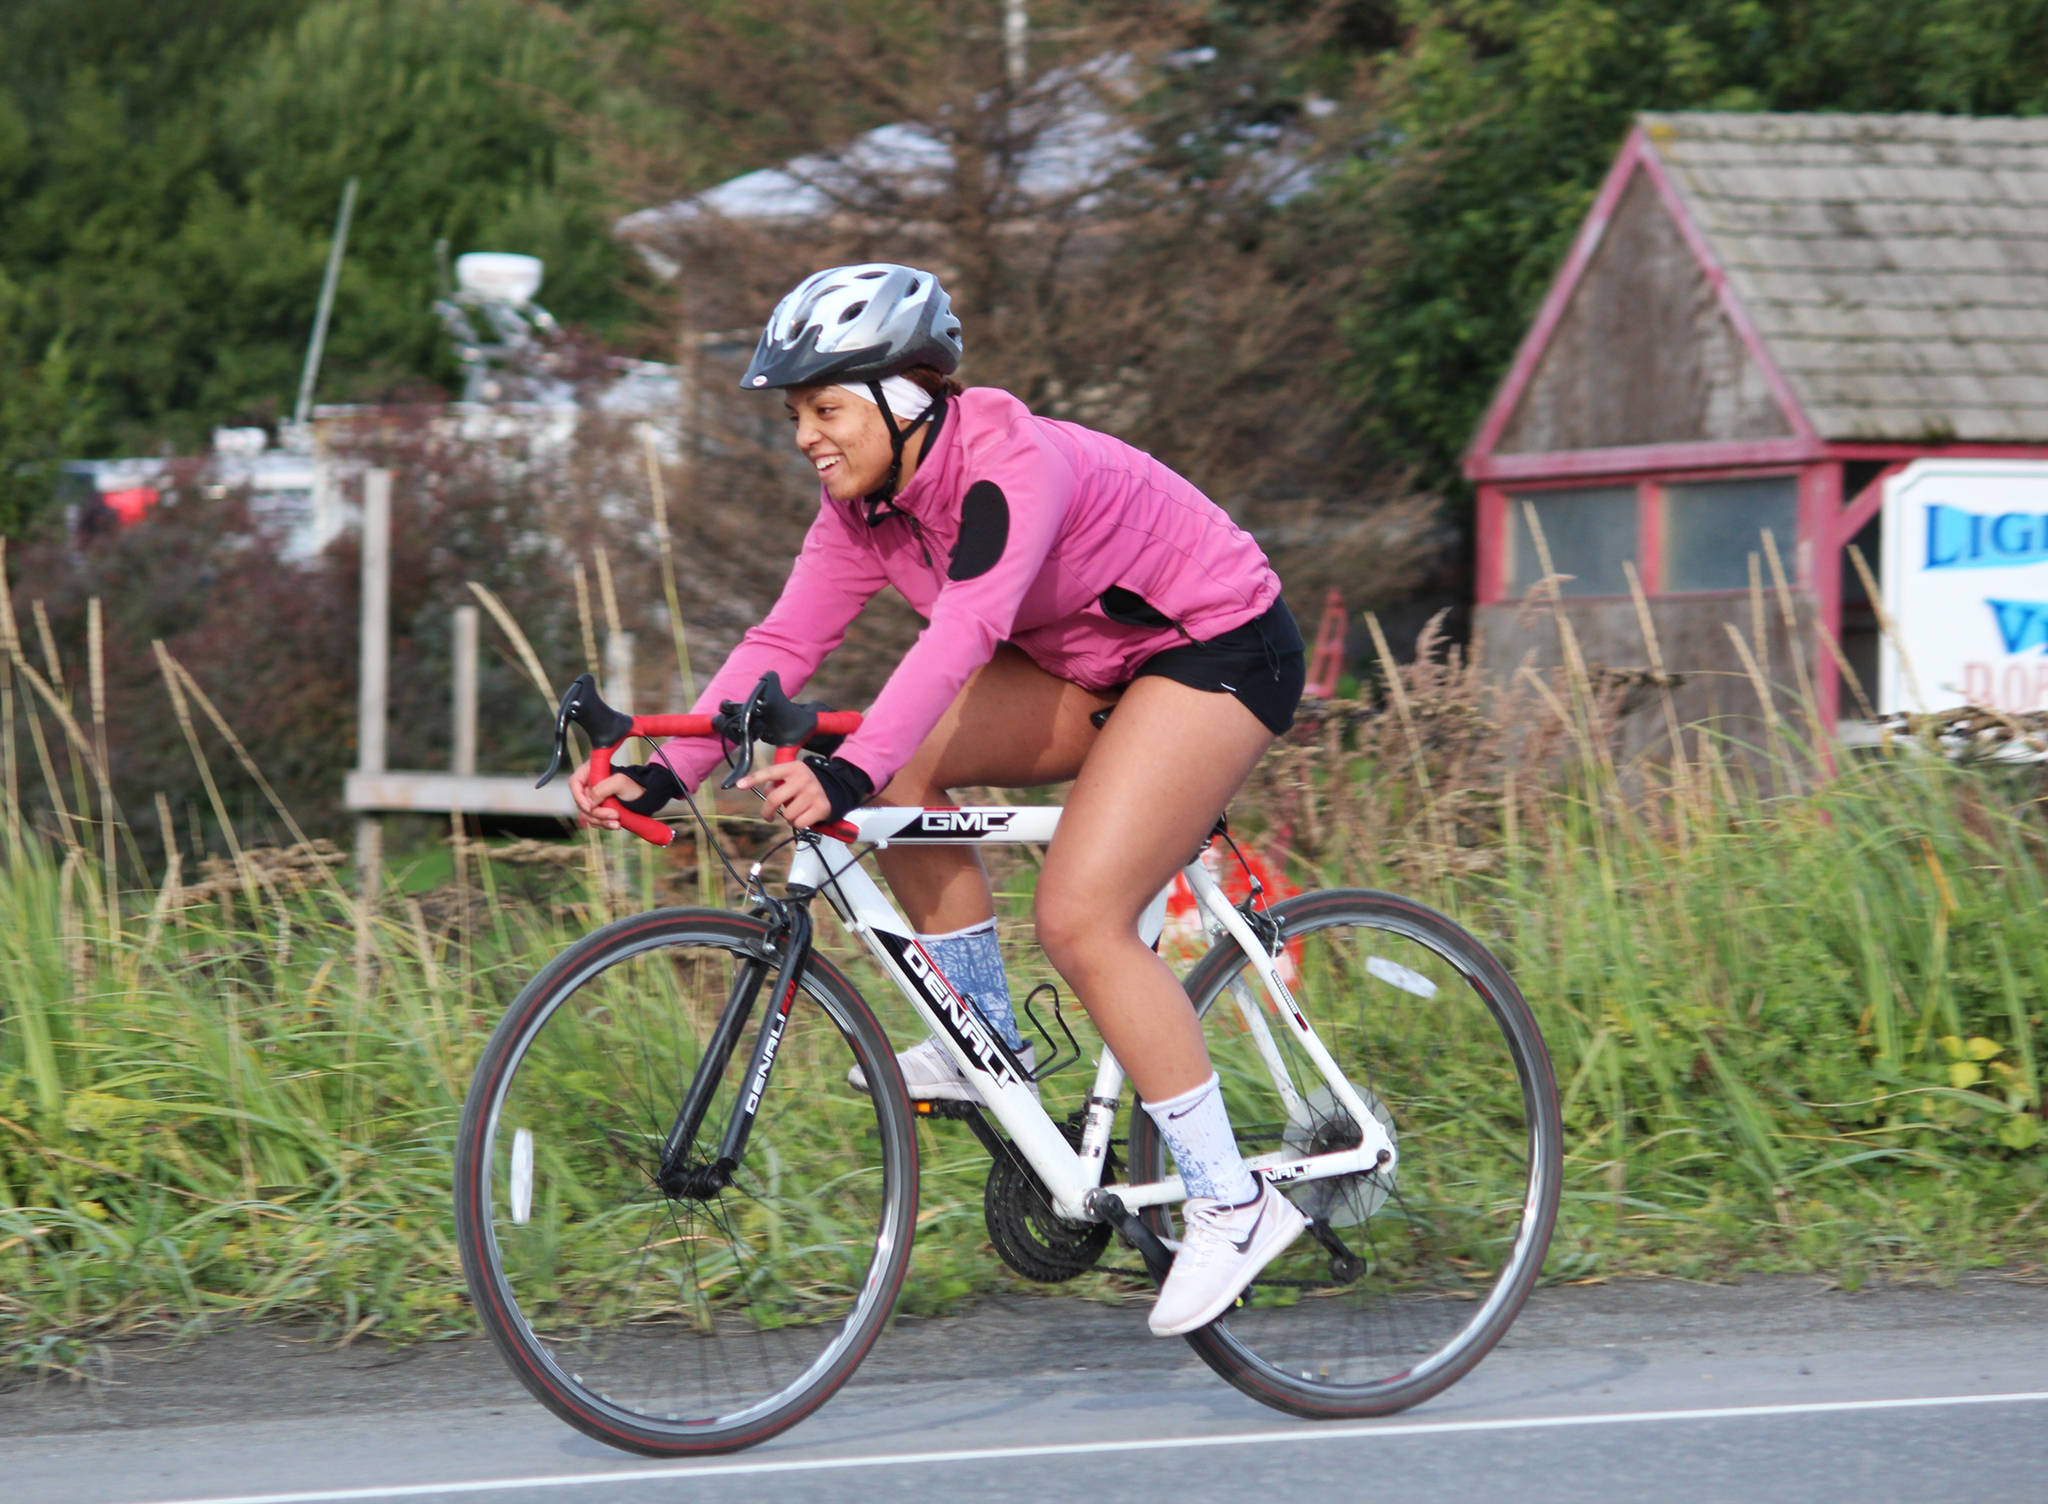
x=1062, y=572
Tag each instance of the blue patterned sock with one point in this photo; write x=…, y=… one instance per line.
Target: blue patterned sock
x=1197, y=1129
x=972, y=961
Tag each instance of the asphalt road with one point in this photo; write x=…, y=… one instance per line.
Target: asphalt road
x=1757, y=1392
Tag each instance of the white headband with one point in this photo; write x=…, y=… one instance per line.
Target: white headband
x=907, y=400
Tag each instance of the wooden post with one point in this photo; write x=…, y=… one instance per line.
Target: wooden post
x=618, y=693
x=618, y=670
x=691, y=412
x=1823, y=553
x=465, y=690
x=373, y=675
x=1016, y=29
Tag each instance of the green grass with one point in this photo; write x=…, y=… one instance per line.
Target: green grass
x=1795, y=1009
x=216, y=1112
x=1792, y=1031
x=1806, y=1036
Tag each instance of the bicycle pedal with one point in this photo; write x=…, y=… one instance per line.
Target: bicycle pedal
x=958, y=1112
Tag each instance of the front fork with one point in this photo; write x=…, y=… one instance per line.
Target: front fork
x=680, y=1177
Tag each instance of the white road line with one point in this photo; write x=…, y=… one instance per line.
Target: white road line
x=1306, y=1433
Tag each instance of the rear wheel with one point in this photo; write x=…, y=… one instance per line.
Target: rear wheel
x=1406, y=1278
x=700, y=1317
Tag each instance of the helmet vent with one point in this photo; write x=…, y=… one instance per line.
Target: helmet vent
x=857, y=323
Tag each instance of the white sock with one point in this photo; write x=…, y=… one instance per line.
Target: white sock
x=1197, y=1129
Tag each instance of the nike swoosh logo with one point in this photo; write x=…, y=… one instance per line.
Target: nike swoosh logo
x=1244, y=1244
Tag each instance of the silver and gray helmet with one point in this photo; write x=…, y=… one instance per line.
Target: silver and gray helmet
x=856, y=323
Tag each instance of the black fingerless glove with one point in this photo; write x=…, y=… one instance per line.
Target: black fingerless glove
x=661, y=785
x=844, y=784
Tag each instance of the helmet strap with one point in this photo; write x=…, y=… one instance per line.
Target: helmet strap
x=884, y=495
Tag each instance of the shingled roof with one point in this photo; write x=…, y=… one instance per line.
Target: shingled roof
x=1895, y=267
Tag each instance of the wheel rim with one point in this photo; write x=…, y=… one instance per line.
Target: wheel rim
x=696, y=1315
x=1444, y=1250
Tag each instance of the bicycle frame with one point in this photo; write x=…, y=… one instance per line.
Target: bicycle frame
x=1071, y=1176
x=699, y=1346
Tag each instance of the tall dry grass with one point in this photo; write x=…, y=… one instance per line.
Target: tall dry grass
x=1792, y=1029
x=1794, y=991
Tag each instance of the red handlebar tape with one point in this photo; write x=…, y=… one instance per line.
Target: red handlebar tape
x=831, y=723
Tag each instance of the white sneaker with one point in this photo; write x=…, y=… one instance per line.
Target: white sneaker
x=1222, y=1248
x=929, y=1074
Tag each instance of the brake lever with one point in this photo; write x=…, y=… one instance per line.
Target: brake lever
x=561, y=735
x=604, y=726
x=744, y=732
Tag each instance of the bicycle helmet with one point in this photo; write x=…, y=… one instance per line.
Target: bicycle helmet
x=856, y=323
x=861, y=323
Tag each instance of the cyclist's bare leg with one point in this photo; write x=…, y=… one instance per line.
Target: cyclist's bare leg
x=1012, y=726
x=1150, y=790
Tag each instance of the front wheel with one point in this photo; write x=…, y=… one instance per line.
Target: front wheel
x=671, y=1314
x=1407, y=1279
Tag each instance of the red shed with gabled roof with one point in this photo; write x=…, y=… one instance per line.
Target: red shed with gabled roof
x=1762, y=316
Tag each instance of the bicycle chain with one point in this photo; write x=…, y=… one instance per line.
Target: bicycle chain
x=1036, y=1242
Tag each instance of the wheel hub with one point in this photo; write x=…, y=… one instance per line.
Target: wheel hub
x=1341, y=1200
x=698, y=1182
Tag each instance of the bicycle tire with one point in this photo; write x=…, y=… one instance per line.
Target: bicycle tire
x=700, y=1322
x=1444, y=1049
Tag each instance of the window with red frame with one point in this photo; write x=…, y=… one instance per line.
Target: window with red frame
x=1588, y=533
x=1706, y=530
x=1712, y=527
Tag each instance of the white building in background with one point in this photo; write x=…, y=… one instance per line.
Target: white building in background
x=514, y=392
x=1073, y=145
x=294, y=490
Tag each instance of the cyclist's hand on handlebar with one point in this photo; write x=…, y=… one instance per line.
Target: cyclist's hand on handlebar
x=792, y=790
x=590, y=802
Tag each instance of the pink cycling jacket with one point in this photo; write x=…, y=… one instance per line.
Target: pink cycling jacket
x=1016, y=529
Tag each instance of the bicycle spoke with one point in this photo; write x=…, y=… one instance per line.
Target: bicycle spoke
x=1437, y=1059
x=689, y=1321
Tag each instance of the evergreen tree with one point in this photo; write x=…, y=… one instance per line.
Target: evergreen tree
x=168, y=182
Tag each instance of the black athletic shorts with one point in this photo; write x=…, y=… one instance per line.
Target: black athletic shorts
x=1264, y=663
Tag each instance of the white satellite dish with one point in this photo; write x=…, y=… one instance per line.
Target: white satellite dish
x=499, y=276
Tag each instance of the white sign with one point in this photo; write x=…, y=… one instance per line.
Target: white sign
x=1965, y=582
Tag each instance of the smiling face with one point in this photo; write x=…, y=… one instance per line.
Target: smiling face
x=844, y=438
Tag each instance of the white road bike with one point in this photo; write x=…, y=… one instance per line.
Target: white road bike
x=684, y=1230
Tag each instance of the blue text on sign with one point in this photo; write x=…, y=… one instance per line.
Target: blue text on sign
x=1957, y=539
